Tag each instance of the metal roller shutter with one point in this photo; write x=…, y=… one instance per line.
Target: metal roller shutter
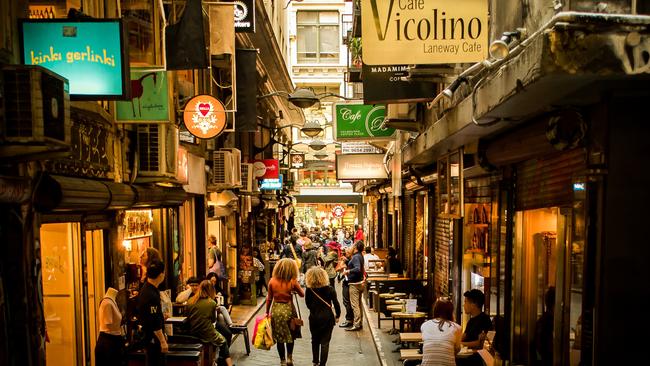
x=547, y=181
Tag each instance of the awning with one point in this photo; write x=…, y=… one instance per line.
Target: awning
x=55, y=193
x=571, y=61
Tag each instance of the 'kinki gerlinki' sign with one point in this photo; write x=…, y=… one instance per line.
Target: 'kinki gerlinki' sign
x=424, y=31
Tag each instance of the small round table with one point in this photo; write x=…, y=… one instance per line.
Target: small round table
x=411, y=318
x=394, y=302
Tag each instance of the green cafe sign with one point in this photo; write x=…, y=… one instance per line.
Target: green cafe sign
x=354, y=121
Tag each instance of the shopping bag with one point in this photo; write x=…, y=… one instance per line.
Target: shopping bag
x=258, y=319
x=263, y=335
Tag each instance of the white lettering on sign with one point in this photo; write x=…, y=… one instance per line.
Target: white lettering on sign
x=349, y=116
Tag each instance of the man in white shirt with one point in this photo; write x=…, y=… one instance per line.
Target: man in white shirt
x=369, y=256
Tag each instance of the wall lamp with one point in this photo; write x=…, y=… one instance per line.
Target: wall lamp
x=500, y=49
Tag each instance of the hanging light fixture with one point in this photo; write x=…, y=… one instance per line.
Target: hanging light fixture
x=303, y=98
x=312, y=129
x=321, y=156
x=317, y=145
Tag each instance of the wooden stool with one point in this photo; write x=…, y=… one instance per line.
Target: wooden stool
x=242, y=329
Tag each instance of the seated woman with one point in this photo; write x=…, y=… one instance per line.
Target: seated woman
x=441, y=336
x=202, y=315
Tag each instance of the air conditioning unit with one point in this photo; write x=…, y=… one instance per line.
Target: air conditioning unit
x=157, y=150
x=248, y=181
x=236, y=167
x=402, y=116
x=36, y=105
x=222, y=172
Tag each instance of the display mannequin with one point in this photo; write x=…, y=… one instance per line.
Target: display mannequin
x=110, y=343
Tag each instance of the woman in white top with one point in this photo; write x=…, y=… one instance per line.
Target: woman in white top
x=441, y=336
x=109, y=349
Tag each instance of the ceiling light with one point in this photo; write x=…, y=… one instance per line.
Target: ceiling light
x=312, y=129
x=321, y=156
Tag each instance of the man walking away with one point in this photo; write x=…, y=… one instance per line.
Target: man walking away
x=355, y=273
x=345, y=289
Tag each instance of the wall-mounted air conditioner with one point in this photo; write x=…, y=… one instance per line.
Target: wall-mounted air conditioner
x=248, y=181
x=222, y=172
x=236, y=165
x=157, y=150
x=36, y=106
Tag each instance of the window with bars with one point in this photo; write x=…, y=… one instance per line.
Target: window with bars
x=318, y=36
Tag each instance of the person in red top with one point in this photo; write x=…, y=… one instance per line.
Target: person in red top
x=358, y=236
x=283, y=282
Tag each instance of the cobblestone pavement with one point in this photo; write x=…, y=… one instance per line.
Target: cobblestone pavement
x=346, y=348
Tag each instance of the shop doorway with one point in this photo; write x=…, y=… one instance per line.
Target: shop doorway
x=73, y=285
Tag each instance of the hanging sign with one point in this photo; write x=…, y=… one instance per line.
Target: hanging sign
x=360, y=166
x=266, y=168
x=398, y=32
x=361, y=122
x=89, y=53
x=297, y=161
x=272, y=183
x=383, y=84
x=149, y=98
x=356, y=147
x=204, y=116
x=338, y=211
x=244, y=16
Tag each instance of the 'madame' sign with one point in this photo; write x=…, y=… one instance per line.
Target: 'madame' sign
x=424, y=31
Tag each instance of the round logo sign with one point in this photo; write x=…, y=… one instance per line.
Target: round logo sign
x=204, y=116
x=241, y=11
x=338, y=211
x=374, y=121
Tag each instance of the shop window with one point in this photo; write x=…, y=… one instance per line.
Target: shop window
x=42, y=9
x=142, y=23
x=318, y=36
x=450, y=185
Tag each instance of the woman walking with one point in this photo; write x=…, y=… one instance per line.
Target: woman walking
x=283, y=282
x=320, y=298
x=441, y=336
x=201, y=315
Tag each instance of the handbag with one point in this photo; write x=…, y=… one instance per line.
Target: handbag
x=321, y=299
x=295, y=322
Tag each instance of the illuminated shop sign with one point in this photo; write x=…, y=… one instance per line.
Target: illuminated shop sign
x=360, y=166
x=149, y=97
x=89, y=53
x=272, y=183
x=266, y=168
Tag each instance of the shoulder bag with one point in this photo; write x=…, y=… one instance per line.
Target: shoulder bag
x=295, y=322
x=321, y=299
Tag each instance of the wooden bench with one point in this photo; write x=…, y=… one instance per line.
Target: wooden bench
x=410, y=337
x=410, y=354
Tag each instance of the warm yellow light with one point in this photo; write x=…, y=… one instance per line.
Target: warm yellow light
x=127, y=245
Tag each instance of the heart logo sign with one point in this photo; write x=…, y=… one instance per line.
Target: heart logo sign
x=204, y=108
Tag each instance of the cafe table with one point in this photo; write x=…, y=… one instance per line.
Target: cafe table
x=394, y=302
x=410, y=337
x=410, y=354
x=411, y=318
x=176, y=320
x=385, y=297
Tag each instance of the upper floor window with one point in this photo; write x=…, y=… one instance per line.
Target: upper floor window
x=318, y=36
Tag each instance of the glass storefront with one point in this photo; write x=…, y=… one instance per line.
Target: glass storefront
x=73, y=285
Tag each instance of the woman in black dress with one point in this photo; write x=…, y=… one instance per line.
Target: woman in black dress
x=320, y=297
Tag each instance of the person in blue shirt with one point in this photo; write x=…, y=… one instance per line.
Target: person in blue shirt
x=355, y=274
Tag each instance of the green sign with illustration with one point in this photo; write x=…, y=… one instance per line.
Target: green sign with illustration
x=361, y=122
x=149, y=97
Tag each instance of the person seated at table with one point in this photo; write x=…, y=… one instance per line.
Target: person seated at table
x=477, y=326
x=368, y=256
x=190, y=289
x=441, y=336
x=202, y=316
x=394, y=265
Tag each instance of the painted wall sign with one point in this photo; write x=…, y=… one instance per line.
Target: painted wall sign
x=397, y=32
x=297, y=161
x=338, y=211
x=272, y=183
x=204, y=116
x=149, y=98
x=266, y=168
x=356, y=121
x=360, y=166
x=90, y=54
x=383, y=84
x=244, y=16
